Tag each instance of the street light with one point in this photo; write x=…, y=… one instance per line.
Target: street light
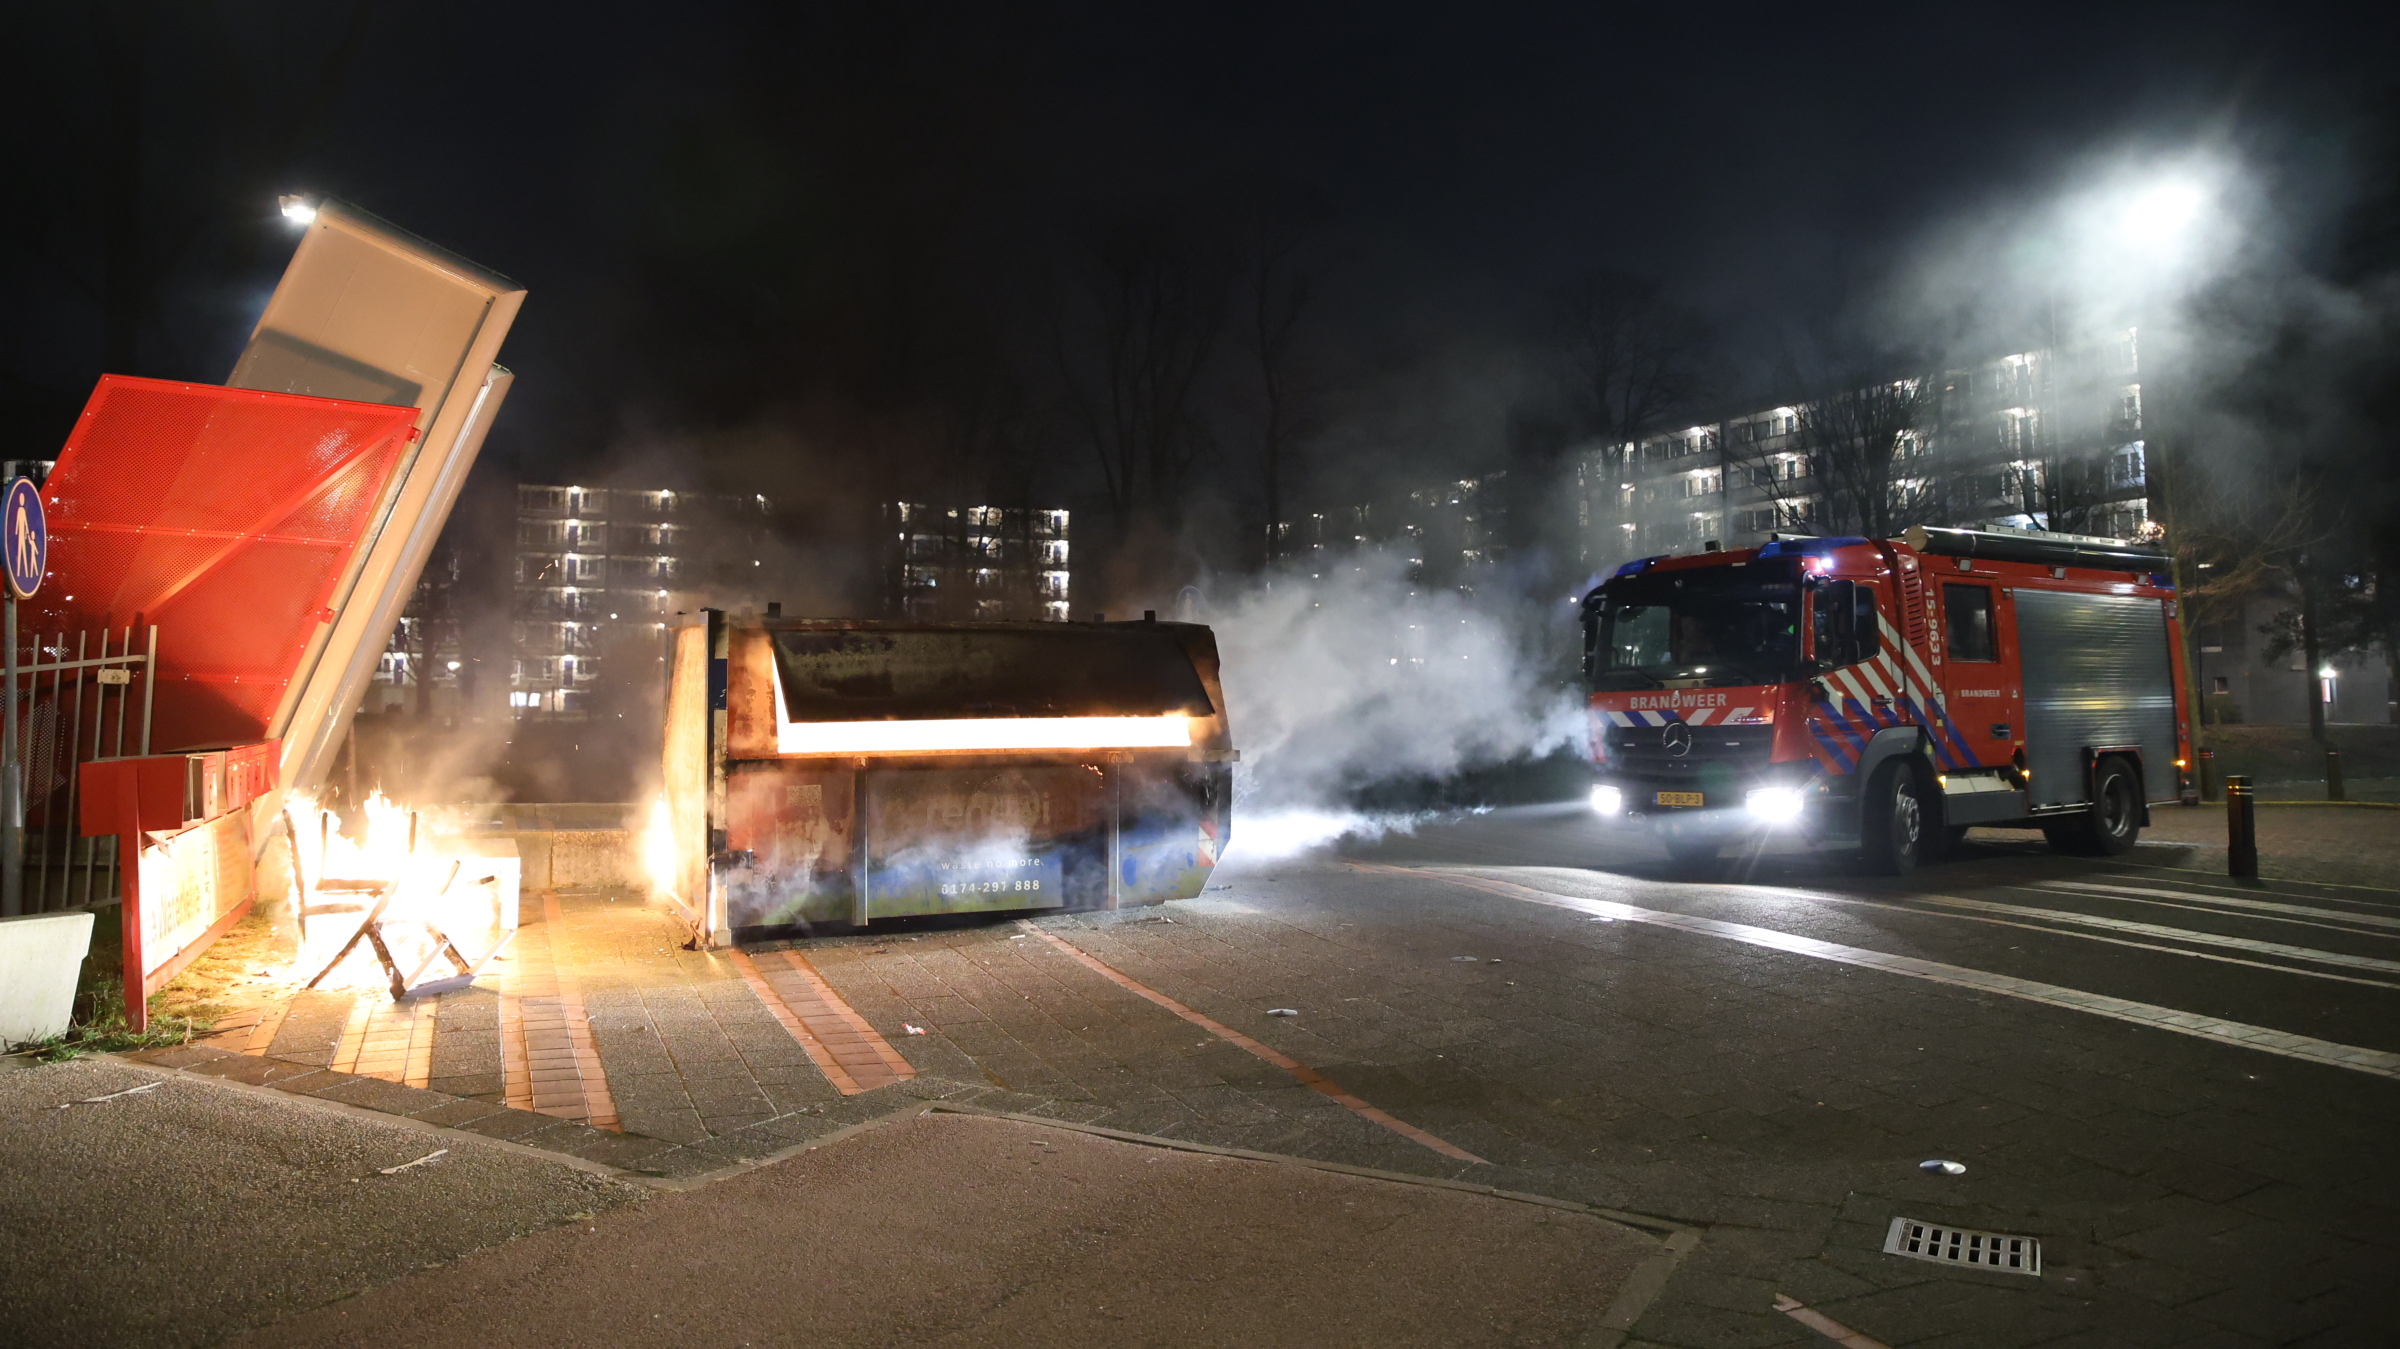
x=299, y=210
x=2158, y=233
x=2161, y=212
x=2149, y=232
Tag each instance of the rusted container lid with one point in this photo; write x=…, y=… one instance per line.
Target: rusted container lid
x=873, y=672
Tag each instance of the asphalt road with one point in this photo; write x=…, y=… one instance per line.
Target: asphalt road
x=183, y=1210
x=2321, y=960
x=2185, y=1090
x=2187, y=1087
x=960, y=1231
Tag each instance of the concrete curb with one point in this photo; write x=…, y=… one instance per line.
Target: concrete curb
x=600, y=1169
x=1641, y=1288
x=1664, y=1227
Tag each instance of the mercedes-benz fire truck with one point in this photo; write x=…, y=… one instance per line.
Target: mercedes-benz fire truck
x=1886, y=695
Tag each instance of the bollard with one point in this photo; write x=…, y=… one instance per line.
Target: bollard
x=2208, y=775
x=2241, y=829
x=2333, y=775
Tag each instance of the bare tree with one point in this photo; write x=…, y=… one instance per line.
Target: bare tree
x=1856, y=463
x=1628, y=360
x=1277, y=284
x=2290, y=529
x=2240, y=541
x=1157, y=290
x=2347, y=604
x=986, y=425
x=2232, y=539
x=2058, y=492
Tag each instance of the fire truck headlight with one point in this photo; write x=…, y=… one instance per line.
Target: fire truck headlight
x=1608, y=801
x=1775, y=805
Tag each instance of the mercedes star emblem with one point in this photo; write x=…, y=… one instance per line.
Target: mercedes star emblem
x=1677, y=738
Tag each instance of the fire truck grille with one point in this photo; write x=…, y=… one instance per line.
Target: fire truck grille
x=1717, y=757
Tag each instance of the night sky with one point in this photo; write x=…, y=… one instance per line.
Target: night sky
x=734, y=217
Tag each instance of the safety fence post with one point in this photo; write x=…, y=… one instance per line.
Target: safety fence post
x=2241, y=828
x=12, y=804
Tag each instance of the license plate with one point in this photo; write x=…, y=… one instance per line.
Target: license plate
x=1678, y=798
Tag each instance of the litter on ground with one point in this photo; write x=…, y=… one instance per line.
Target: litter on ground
x=114, y=1095
x=396, y=1170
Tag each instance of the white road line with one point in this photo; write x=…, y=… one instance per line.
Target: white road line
x=2264, y=948
x=2261, y=905
x=2197, y=905
x=2184, y=952
x=2377, y=1062
x=2183, y=875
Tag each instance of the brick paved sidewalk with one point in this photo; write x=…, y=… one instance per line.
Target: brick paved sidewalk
x=597, y=1025
x=1054, y=1038
x=2324, y=843
x=593, y=1035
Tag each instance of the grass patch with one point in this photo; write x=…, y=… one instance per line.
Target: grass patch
x=177, y=1014
x=100, y=1026
x=230, y=973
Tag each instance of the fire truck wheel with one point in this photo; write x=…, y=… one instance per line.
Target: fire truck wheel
x=1893, y=822
x=2114, y=821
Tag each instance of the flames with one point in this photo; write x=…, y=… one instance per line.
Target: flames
x=379, y=854
x=658, y=850
x=435, y=885
x=986, y=734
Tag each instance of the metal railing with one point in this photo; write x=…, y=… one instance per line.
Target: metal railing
x=75, y=700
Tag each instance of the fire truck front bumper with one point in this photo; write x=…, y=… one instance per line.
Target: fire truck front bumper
x=1766, y=803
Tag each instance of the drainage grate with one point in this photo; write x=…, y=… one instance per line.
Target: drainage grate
x=1959, y=1246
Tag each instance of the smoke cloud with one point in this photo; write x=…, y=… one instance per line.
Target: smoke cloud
x=1348, y=678
x=2256, y=352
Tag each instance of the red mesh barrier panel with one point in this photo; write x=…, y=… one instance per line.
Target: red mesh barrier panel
x=224, y=516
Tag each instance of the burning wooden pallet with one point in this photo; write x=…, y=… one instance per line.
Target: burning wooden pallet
x=407, y=916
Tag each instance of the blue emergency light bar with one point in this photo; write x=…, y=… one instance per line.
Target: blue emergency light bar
x=1805, y=547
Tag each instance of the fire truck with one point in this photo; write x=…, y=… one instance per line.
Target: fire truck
x=1884, y=696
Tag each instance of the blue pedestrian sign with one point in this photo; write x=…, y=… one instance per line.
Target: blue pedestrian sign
x=25, y=536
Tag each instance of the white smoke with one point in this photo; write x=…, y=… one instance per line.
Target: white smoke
x=1346, y=676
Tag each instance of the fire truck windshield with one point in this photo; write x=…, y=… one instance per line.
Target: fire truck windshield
x=1730, y=624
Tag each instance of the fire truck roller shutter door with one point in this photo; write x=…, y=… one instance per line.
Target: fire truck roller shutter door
x=2097, y=672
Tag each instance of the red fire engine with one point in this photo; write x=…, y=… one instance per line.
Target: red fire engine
x=1886, y=695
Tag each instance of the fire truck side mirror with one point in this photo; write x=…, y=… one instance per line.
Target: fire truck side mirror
x=1842, y=624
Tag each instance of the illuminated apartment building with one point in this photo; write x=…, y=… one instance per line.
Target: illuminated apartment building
x=2039, y=440
x=599, y=572
x=1003, y=563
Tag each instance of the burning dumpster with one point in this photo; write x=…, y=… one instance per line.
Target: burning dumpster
x=834, y=773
